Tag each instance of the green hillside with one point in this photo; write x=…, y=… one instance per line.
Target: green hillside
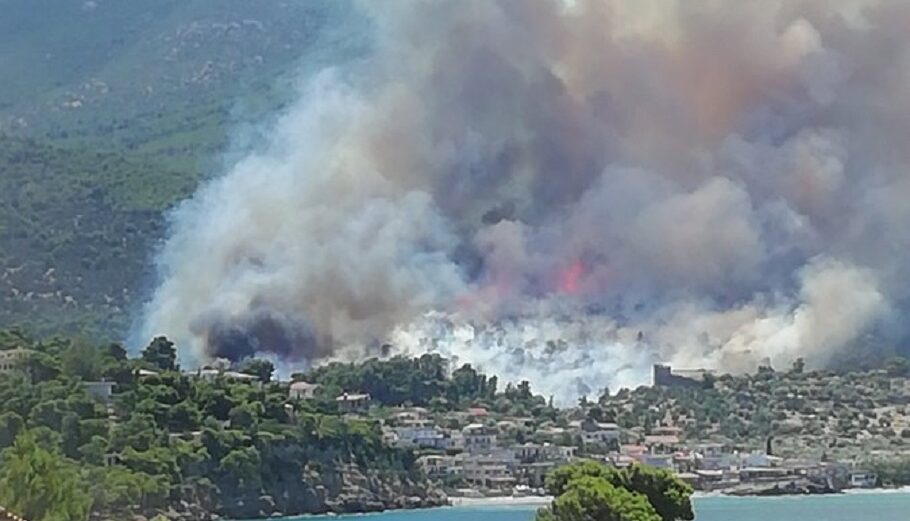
x=113, y=111
x=76, y=229
x=165, y=78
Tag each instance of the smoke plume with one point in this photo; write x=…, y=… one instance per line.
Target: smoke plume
x=569, y=191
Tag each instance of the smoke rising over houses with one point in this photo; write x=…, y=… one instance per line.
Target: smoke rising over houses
x=568, y=192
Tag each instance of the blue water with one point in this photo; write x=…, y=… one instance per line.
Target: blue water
x=894, y=506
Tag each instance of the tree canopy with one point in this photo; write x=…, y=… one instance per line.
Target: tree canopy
x=589, y=491
x=168, y=438
x=40, y=484
x=161, y=354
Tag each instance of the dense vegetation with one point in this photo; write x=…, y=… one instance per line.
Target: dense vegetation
x=111, y=113
x=160, y=78
x=77, y=229
x=426, y=381
x=168, y=440
x=592, y=491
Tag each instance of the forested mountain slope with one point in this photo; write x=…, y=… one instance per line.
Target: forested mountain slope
x=110, y=113
x=77, y=228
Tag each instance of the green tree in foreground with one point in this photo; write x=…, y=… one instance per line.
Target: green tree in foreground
x=590, y=491
x=41, y=485
x=595, y=499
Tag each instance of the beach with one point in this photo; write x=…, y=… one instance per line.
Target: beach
x=500, y=501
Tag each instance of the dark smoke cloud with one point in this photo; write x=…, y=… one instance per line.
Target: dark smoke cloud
x=531, y=184
x=262, y=331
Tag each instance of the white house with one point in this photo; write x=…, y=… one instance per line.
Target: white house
x=760, y=459
x=100, y=390
x=594, y=433
x=438, y=466
x=426, y=437
x=11, y=359
x=302, y=391
x=207, y=374
x=531, y=452
x=241, y=377
x=407, y=416
x=488, y=472
x=353, y=402
x=478, y=438
x=210, y=375
x=863, y=479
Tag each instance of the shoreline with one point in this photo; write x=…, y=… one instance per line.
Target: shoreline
x=529, y=501
x=848, y=491
x=461, y=501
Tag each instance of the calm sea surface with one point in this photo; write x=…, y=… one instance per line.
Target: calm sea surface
x=885, y=506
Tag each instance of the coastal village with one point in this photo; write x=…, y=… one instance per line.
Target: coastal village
x=477, y=453
x=407, y=432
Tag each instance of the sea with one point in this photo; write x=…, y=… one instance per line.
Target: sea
x=865, y=506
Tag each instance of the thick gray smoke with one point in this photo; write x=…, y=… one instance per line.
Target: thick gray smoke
x=569, y=192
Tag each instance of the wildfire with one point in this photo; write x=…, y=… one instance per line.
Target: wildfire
x=570, y=278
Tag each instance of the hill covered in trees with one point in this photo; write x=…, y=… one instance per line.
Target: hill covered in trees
x=77, y=229
x=111, y=113
x=159, y=77
x=182, y=444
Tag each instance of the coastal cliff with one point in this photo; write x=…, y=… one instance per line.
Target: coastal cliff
x=343, y=488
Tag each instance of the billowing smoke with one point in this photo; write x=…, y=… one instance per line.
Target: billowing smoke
x=569, y=192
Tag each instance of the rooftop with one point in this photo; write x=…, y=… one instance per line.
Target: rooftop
x=352, y=397
x=240, y=376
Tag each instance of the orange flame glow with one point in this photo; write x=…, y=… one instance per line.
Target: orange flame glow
x=570, y=278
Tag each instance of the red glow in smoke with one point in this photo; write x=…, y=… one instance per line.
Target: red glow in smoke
x=570, y=278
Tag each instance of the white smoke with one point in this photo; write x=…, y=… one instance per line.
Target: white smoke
x=568, y=192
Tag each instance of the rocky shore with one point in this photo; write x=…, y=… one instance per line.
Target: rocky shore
x=343, y=489
x=797, y=487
